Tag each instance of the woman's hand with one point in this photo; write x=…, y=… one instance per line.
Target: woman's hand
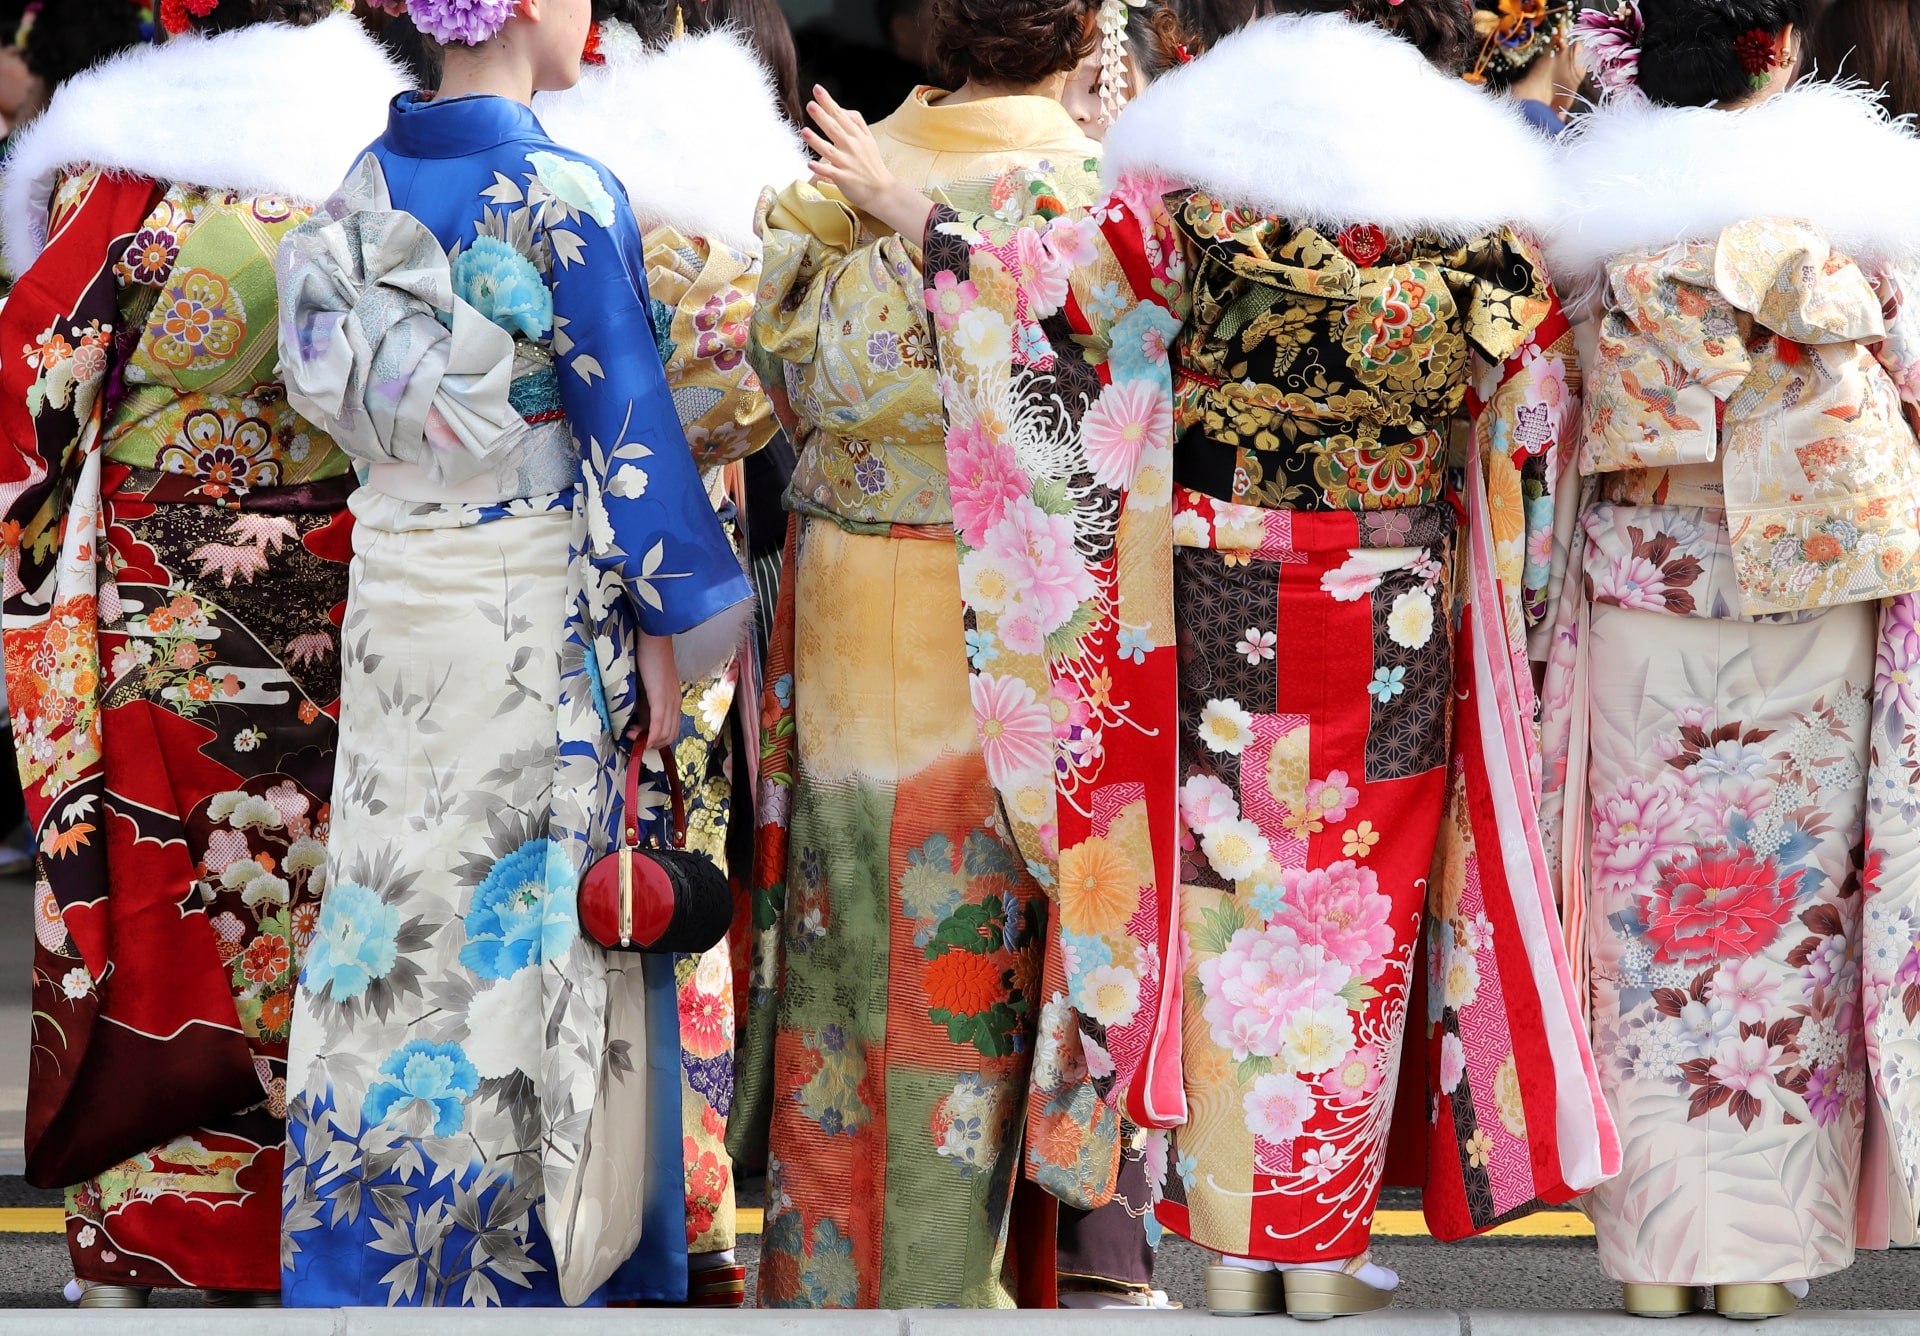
x=850, y=161
x=659, y=726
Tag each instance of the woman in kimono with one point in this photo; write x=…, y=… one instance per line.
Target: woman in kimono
x=486, y=1104
x=693, y=184
x=900, y=932
x=1220, y=445
x=175, y=554
x=1729, y=729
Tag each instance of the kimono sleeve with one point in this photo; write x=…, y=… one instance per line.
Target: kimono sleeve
x=648, y=518
x=702, y=296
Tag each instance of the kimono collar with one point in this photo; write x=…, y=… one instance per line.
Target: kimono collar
x=1322, y=120
x=267, y=109
x=991, y=125
x=701, y=175
x=423, y=127
x=1634, y=176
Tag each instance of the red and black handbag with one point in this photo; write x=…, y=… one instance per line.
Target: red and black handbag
x=652, y=897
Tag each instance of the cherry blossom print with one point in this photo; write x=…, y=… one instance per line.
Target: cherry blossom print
x=1352, y=1080
x=1206, y=801
x=1278, y=1107
x=1226, y=726
x=1748, y=990
x=1410, y=623
x=1360, y=574
x=1236, y=849
x=949, y=299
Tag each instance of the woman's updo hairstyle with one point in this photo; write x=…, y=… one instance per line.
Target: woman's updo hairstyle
x=652, y=19
x=1689, y=49
x=1441, y=29
x=1017, y=42
x=230, y=14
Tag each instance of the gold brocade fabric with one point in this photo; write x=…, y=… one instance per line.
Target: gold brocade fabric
x=1326, y=372
x=846, y=310
x=703, y=295
x=1766, y=375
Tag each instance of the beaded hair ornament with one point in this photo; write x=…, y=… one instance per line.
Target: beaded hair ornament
x=1515, y=33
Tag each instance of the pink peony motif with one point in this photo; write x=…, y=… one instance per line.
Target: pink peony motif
x=1355, y=1077
x=1278, y=1107
x=1255, y=986
x=1633, y=826
x=1714, y=801
x=1631, y=582
x=983, y=479
x=1342, y=909
x=1716, y=904
x=1049, y=577
x=1129, y=418
x=1016, y=729
x=1745, y=1065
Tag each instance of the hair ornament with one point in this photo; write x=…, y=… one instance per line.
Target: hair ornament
x=1114, y=76
x=1516, y=33
x=1759, y=54
x=1611, y=41
x=176, y=16
x=460, y=22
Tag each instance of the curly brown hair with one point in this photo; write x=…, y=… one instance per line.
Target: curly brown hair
x=1016, y=42
x=230, y=14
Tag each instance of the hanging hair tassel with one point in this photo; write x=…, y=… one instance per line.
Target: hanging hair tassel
x=1114, y=76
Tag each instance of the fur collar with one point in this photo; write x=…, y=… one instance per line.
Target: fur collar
x=691, y=129
x=1639, y=177
x=268, y=109
x=1320, y=119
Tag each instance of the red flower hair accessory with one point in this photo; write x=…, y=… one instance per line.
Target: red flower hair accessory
x=1758, y=52
x=176, y=16
x=592, y=55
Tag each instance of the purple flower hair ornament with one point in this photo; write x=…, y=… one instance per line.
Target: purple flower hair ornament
x=466, y=22
x=1611, y=41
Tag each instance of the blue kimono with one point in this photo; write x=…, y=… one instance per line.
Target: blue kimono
x=469, y=1076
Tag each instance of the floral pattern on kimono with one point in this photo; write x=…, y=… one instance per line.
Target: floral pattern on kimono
x=1289, y=1067
x=174, y=556
x=407, y=1149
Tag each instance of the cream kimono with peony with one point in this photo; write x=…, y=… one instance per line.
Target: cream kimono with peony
x=1728, y=727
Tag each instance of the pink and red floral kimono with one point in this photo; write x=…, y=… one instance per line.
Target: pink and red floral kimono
x=1249, y=657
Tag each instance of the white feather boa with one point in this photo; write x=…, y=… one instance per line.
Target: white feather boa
x=1640, y=177
x=691, y=129
x=1325, y=120
x=268, y=109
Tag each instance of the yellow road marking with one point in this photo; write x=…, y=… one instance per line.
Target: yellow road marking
x=1541, y=1225
x=32, y=1220
x=752, y=1220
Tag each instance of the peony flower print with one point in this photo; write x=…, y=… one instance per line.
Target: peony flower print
x=522, y=912
x=1634, y=828
x=574, y=183
x=1716, y=904
x=1127, y=420
x=1140, y=339
x=985, y=481
x=1254, y=987
x=1342, y=909
x=1048, y=577
x=436, y=1077
x=356, y=944
x=1278, y=1107
x=503, y=285
x=1016, y=729
x=983, y=337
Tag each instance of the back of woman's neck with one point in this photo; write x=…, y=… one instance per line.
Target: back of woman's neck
x=486, y=75
x=974, y=91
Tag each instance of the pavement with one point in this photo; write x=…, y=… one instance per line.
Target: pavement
x=1500, y=1286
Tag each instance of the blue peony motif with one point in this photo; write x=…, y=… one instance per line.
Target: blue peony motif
x=355, y=944
x=427, y=1073
x=575, y=184
x=1140, y=341
x=502, y=284
x=522, y=913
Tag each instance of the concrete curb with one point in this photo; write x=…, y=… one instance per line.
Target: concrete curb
x=920, y=1322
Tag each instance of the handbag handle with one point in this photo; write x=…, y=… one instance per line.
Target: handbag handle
x=635, y=764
